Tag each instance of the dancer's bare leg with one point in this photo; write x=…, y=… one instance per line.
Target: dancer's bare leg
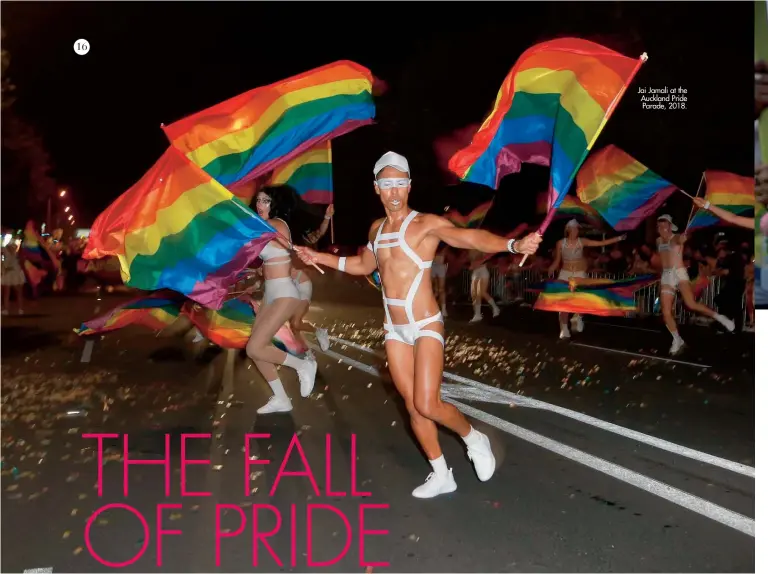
x=266, y=356
x=484, y=295
x=477, y=300
x=6, y=299
x=19, y=289
x=298, y=324
x=440, y=285
x=564, y=332
x=668, y=311
x=690, y=302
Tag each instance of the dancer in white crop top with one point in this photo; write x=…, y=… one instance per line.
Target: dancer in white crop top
x=674, y=278
x=402, y=245
x=281, y=300
x=570, y=260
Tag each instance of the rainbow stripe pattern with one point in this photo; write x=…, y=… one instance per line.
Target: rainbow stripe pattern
x=473, y=219
x=734, y=193
x=310, y=174
x=602, y=297
x=230, y=327
x=178, y=228
x=620, y=188
x=571, y=208
x=549, y=110
x=254, y=133
x=155, y=312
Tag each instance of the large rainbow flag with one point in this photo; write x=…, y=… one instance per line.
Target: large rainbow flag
x=310, y=174
x=620, y=188
x=178, y=228
x=473, y=219
x=254, y=133
x=230, y=327
x=602, y=297
x=734, y=193
x=156, y=312
x=571, y=208
x=549, y=111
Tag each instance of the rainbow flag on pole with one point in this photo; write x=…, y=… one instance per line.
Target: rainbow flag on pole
x=602, y=297
x=473, y=219
x=155, y=312
x=178, y=228
x=310, y=174
x=256, y=132
x=549, y=111
x=620, y=188
x=734, y=193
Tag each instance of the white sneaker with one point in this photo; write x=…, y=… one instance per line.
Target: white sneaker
x=322, y=339
x=198, y=336
x=496, y=311
x=728, y=324
x=577, y=323
x=476, y=318
x=436, y=485
x=307, y=377
x=276, y=405
x=482, y=458
x=676, y=347
x=565, y=333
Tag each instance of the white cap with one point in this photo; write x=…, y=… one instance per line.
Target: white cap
x=392, y=159
x=572, y=223
x=668, y=218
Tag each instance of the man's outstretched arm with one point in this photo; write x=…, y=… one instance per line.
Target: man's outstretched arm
x=363, y=264
x=481, y=240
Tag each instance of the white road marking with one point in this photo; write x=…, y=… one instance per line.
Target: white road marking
x=622, y=326
x=652, y=357
x=523, y=401
x=87, y=351
x=694, y=503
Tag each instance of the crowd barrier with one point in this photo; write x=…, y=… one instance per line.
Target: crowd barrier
x=514, y=287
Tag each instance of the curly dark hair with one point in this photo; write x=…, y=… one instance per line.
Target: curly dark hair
x=288, y=205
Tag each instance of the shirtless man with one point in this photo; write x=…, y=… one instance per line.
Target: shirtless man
x=402, y=245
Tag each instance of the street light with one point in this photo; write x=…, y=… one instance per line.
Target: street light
x=62, y=193
x=66, y=209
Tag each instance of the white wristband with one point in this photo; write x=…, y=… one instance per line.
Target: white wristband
x=511, y=246
x=342, y=263
x=707, y=205
x=326, y=217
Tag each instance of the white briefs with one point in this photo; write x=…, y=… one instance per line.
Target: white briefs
x=565, y=275
x=671, y=278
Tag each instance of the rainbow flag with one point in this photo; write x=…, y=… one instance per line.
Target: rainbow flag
x=178, y=228
x=156, y=312
x=473, y=219
x=256, y=132
x=230, y=327
x=310, y=174
x=571, y=208
x=620, y=188
x=602, y=297
x=734, y=193
x=549, y=111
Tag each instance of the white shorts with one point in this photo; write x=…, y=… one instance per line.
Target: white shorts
x=439, y=270
x=305, y=290
x=279, y=288
x=671, y=278
x=481, y=273
x=565, y=275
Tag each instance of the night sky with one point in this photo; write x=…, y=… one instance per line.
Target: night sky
x=155, y=63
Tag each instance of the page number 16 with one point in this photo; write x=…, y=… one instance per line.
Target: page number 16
x=82, y=47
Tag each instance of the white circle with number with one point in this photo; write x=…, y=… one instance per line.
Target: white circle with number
x=82, y=47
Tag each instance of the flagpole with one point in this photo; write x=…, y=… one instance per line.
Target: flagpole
x=333, y=242
x=693, y=207
x=543, y=227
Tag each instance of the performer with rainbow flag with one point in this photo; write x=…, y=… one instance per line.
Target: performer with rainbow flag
x=569, y=259
x=403, y=245
x=674, y=278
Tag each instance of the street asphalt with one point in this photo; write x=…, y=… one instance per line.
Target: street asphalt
x=610, y=457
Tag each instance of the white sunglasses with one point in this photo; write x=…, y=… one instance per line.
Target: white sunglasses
x=390, y=182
